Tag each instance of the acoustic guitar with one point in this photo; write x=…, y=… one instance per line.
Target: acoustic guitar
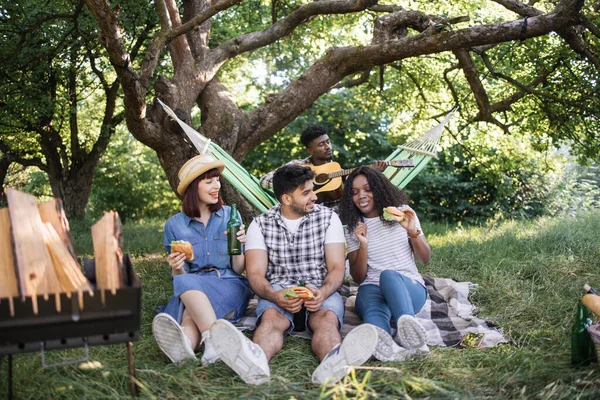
x=328, y=177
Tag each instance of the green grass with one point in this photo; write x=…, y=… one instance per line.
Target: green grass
x=530, y=276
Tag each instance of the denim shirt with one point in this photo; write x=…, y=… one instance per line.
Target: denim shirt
x=209, y=242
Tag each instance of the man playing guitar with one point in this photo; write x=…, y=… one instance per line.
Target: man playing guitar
x=317, y=143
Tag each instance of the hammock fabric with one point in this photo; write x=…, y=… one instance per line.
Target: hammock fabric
x=420, y=150
x=235, y=174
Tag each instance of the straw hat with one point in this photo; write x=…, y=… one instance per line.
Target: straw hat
x=195, y=167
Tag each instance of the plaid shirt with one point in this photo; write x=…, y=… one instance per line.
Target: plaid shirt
x=266, y=182
x=297, y=256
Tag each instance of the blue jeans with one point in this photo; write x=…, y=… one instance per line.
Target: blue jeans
x=395, y=296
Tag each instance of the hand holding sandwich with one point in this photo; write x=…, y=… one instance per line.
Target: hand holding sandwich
x=180, y=251
x=316, y=302
x=404, y=215
x=292, y=299
x=291, y=304
x=176, y=261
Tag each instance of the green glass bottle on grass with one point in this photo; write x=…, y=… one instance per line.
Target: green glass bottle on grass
x=234, y=247
x=582, y=347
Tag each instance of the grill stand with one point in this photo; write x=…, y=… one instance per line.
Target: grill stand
x=133, y=389
x=114, y=319
x=10, y=381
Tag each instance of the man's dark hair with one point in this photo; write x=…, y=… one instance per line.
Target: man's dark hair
x=384, y=194
x=311, y=133
x=289, y=177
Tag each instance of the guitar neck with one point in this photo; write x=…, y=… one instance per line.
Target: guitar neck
x=344, y=172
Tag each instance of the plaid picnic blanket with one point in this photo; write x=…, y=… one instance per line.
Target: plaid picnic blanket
x=448, y=316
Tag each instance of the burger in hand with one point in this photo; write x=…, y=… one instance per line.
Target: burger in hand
x=299, y=292
x=184, y=247
x=394, y=214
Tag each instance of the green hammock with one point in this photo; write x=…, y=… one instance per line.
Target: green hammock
x=421, y=150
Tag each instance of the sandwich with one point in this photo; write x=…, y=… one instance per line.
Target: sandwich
x=184, y=247
x=299, y=292
x=394, y=214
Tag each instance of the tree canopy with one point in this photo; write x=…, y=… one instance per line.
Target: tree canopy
x=58, y=101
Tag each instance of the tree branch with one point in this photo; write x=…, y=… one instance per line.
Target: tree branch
x=180, y=51
x=524, y=88
x=338, y=63
x=465, y=62
x=450, y=85
x=348, y=83
x=568, y=33
x=590, y=26
x=167, y=35
x=199, y=36
x=285, y=26
x=16, y=158
x=72, y=89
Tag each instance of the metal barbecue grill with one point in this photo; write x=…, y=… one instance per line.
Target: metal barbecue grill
x=116, y=320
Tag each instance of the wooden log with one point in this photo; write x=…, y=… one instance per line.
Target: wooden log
x=35, y=271
x=67, y=269
x=52, y=211
x=8, y=277
x=108, y=253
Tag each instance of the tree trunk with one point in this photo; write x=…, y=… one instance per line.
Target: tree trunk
x=4, y=165
x=74, y=188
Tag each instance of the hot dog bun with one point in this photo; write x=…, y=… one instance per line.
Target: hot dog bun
x=299, y=292
x=184, y=247
x=393, y=214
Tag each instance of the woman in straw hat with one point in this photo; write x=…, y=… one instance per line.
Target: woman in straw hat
x=209, y=286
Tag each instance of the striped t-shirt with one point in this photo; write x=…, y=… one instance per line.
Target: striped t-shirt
x=388, y=249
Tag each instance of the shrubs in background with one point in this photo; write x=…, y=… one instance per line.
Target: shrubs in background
x=455, y=188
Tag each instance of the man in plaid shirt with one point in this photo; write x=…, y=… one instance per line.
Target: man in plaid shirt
x=295, y=240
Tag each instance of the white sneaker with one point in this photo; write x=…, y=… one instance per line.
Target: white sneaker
x=410, y=334
x=209, y=356
x=358, y=346
x=243, y=356
x=171, y=339
x=387, y=350
x=422, y=352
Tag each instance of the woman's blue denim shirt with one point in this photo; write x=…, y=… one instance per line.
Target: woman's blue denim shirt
x=209, y=242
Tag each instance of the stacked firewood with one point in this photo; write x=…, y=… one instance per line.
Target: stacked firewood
x=37, y=256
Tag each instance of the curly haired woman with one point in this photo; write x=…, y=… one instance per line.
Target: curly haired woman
x=382, y=256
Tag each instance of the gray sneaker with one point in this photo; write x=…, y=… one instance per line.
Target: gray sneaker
x=387, y=350
x=410, y=334
x=358, y=346
x=171, y=339
x=240, y=354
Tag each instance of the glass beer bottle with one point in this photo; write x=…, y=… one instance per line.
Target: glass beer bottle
x=234, y=247
x=582, y=347
x=300, y=316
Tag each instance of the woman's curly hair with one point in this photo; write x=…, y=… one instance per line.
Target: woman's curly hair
x=384, y=194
